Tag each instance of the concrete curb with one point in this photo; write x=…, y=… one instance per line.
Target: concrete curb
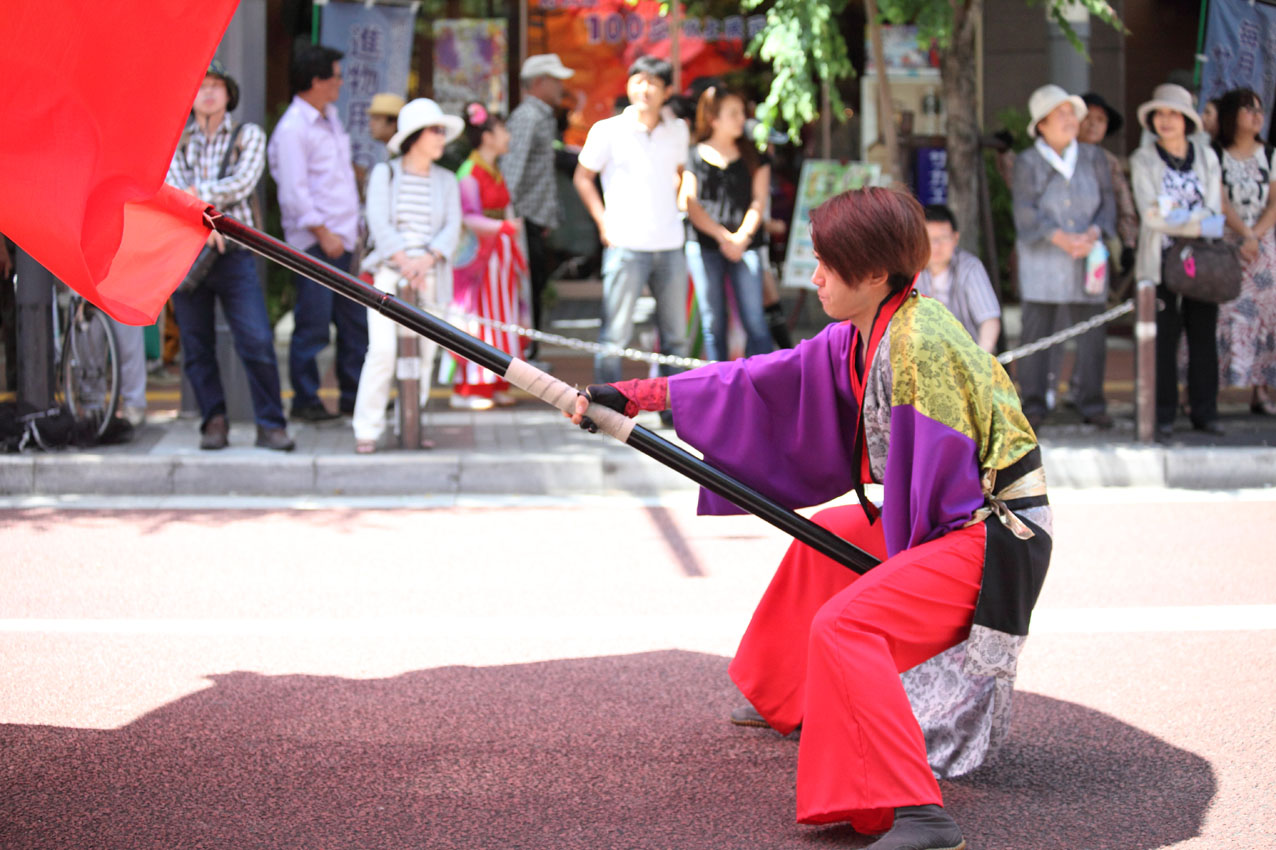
x=570, y=471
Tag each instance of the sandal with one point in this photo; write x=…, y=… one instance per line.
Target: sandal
x=365, y=447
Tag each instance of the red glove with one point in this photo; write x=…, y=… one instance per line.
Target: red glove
x=629, y=397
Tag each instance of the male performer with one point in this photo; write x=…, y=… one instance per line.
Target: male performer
x=896, y=393
x=319, y=202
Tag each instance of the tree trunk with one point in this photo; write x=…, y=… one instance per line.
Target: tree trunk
x=957, y=73
x=885, y=101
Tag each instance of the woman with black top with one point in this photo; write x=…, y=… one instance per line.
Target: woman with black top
x=724, y=190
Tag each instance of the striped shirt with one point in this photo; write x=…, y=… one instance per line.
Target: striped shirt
x=198, y=162
x=412, y=213
x=528, y=166
x=969, y=294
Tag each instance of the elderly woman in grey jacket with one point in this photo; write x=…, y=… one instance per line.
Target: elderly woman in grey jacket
x=414, y=222
x=1178, y=191
x=1064, y=206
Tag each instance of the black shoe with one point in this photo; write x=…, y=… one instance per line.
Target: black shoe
x=214, y=433
x=1098, y=420
x=921, y=828
x=1212, y=428
x=1164, y=433
x=314, y=413
x=346, y=408
x=747, y=715
x=276, y=439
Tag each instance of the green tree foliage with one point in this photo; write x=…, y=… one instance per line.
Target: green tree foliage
x=804, y=46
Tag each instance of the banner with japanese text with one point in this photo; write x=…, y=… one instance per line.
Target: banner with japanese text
x=377, y=43
x=599, y=39
x=1240, y=50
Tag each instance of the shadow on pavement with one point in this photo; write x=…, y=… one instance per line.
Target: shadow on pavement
x=626, y=751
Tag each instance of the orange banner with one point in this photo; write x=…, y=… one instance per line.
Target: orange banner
x=599, y=39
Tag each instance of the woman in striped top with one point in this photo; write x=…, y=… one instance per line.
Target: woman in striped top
x=414, y=221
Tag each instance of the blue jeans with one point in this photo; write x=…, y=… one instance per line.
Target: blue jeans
x=712, y=272
x=233, y=280
x=625, y=272
x=317, y=307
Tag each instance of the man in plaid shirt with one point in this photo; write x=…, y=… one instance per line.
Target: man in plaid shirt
x=528, y=167
x=197, y=168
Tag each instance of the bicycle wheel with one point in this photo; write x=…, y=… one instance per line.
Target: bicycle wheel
x=90, y=369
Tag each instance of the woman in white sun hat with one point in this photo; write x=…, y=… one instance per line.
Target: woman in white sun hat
x=1178, y=191
x=1064, y=207
x=414, y=222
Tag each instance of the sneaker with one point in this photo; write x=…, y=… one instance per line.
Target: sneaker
x=921, y=828
x=503, y=399
x=313, y=413
x=747, y=715
x=215, y=434
x=135, y=416
x=1100, y=420
x=276, y=439
x=470, y=402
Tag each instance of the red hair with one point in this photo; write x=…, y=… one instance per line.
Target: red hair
x=865, y=232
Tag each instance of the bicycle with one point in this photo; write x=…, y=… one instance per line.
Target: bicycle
x=87, y=367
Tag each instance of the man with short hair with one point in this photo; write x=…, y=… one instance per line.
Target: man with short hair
x=528, y=166
x=213, y=138
x=957, y=279
x=319, y=204
x=640, y=154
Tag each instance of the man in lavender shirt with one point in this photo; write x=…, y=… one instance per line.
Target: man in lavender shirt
x=309, y=155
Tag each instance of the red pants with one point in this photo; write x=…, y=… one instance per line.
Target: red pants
x=825, y=649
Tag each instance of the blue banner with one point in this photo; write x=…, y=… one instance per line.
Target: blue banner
x=1240, y=51
x=377, y=43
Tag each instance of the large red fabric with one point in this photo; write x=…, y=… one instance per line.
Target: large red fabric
x=94, y=97
x=825, y=649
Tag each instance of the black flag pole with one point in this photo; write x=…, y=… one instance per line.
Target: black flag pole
x=549, y=389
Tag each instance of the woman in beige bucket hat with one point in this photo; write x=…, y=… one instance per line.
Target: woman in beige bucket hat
x=1178, y=192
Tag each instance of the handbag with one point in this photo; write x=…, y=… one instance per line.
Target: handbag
x=1203, y=269
x=208, y=254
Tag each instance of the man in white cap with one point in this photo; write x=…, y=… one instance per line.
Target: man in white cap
x=528, y=167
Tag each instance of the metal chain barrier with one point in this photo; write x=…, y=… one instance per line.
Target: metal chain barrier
x=1067, y=333
x=692, y=362
x=570, y=342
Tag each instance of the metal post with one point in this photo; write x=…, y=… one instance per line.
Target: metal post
x=33, y=301
x=1145, y=360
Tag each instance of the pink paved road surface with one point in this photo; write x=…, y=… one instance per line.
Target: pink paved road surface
x=555, y=677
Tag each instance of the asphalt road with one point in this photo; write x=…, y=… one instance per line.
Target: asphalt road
x=553, y=675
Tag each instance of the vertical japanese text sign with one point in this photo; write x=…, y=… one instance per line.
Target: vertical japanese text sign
x=377, y=43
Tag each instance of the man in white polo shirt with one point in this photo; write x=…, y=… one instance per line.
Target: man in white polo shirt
x=640, y=154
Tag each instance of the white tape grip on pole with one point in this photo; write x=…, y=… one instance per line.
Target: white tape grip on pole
x=563, y=396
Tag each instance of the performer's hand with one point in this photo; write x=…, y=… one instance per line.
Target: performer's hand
x=626, y=397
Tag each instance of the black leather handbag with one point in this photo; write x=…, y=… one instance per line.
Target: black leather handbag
x=1203, y=269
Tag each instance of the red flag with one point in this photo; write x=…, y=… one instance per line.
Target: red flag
x=94, y=97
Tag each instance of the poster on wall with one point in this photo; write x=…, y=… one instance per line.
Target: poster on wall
x=471, y=64
x=1240, y=51
x=377, y=43
x=821, y=179
x=599, y=39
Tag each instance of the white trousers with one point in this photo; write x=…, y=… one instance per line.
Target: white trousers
x=383, y=353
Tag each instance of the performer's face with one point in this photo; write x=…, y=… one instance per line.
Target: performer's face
x=857, y=301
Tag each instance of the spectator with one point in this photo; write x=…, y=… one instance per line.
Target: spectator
x=8, y=316
x=529, y=166
x=1178, y=188
x=1209, y=118
x=213, y=138
x=319, y=203
x=383, y=123
x=1247, y=325
x=725, y=188
x=1063, y=204
x=130, y=346
x=957, y=279
x=487, y=274
x=414, y=217
x=640, y=155
x=1103, y=122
